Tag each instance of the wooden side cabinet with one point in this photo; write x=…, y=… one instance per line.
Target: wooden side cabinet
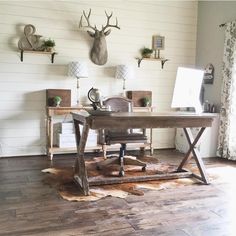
x=51, y=112
x=51, y=149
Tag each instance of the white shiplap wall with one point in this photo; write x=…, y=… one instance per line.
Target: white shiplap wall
x=23, y=84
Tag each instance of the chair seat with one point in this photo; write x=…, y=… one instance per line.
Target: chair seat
x=126, y=138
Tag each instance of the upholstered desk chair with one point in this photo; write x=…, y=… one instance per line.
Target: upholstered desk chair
x=117, y=135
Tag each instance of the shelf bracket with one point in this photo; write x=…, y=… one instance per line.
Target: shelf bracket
x=139, y=61
x=163, y=63
x=52, y=57
x=21, y=55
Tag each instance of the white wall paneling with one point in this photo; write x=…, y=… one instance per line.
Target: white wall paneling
x=23, y=84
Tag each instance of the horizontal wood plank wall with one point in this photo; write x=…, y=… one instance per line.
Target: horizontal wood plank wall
x=23, y=84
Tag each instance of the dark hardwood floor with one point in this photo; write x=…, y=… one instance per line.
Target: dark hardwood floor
x=30, y=207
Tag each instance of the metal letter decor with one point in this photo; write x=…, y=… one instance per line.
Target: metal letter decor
x=30, y=41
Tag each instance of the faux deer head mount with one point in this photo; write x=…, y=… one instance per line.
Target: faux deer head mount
x=98, y=53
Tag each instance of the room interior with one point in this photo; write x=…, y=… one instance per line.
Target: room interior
x=39, y=89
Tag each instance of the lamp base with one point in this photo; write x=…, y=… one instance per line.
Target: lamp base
x=124, y=93
x=77, y=93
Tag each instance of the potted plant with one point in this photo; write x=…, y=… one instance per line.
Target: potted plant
x=48, y=45
x=146, y=52
x=57, y=100
x=146, y=101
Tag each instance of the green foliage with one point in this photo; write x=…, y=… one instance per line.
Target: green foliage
x=145, y=51
x=49, y=43
x=146, y=101
x=57, y=99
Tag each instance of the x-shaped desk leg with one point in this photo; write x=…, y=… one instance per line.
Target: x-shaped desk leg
x=196, y=155
x=80, y=173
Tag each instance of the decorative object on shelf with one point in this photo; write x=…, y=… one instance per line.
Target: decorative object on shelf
x=158, y=43
x=57, y=100
x=206, y=106
x=146, y=52
x=208, y=74
x=78, y=70
x=94, y=96
x=48, y=45
x=30, y=41
x=123, y=72
x=209, y=107
x=138, y=97
x=98, y=53
x=146, y=101
x=64, y=94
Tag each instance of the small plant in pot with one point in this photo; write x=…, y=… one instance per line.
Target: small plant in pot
x=146, y=52
x=57, y=101
x=49, y=45
x=146, y=101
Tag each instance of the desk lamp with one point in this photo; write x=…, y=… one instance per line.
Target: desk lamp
x=78, y=70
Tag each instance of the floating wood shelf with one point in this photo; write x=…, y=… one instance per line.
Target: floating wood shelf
x=162, y=60
x=37, y=52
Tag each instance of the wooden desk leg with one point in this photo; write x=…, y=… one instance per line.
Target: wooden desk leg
x=80, y=172
x=196, y=155
x=50, y=137
x=151, y=147
x=47, y=135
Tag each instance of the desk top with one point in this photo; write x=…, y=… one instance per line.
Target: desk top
x=51, y=111
x=145, y=119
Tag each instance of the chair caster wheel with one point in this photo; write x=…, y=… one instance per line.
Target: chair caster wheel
x=144, y=168
x=121, y=173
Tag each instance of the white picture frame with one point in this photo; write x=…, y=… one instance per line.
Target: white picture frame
x=158, y=42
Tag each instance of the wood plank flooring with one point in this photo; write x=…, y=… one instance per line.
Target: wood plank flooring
x=29, y=207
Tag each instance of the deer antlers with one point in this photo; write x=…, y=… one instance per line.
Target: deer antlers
x=87, y=19
x=108, y=20
x=95, y=28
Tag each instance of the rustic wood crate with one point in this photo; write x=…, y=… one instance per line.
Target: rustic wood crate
x=137, y=97
x=65, y=95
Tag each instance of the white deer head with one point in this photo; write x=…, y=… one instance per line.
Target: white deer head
x=98, y=53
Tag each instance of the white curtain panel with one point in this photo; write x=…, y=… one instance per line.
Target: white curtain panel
x=227, y=132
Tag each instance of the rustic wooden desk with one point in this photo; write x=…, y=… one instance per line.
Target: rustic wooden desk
x=140, y=120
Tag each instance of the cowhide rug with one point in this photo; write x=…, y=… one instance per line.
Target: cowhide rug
x=62, y=180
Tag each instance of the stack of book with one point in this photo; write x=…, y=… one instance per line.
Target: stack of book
x=65, y=135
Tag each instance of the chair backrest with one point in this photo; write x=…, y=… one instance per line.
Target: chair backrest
x=119, y=104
